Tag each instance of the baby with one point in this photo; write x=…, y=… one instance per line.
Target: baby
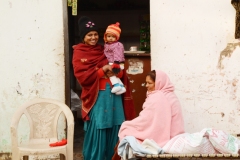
x=114, y=52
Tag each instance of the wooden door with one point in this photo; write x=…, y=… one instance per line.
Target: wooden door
x=137, y=66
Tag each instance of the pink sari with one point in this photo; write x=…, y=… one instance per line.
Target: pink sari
x=161, y=117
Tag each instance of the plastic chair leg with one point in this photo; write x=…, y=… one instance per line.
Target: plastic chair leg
x=25, y=157
x=62, y=157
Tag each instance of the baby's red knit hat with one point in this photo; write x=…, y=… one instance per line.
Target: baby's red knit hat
x=113, y=29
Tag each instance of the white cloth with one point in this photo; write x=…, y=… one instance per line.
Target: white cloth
x=209, y=141
x=129, y=147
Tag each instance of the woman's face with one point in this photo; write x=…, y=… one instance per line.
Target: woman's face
x=150, y=84
x=91, y=38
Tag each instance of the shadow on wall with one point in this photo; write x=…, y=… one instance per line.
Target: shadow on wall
x=227, y=52
x=5, y=156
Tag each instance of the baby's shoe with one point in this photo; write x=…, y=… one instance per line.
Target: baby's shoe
x=123, y=90
x=116, y=87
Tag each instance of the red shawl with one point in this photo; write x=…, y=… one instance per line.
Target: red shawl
x=86, y=62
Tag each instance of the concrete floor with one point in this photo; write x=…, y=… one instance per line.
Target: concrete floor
x=78, y=141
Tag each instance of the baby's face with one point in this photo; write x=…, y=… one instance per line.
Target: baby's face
x=111, y=38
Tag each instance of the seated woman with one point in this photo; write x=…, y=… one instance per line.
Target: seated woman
x=161, y=117
x=161, y=122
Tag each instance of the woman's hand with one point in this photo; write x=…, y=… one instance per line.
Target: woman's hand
x=107, y=68
x=109, y=73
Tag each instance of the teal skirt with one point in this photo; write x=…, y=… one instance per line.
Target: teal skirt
x=101, y=131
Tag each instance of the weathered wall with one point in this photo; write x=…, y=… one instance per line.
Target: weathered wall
x=193, y=41
x=31, y=58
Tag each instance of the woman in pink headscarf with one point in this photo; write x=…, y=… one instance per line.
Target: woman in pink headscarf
x=161, y=118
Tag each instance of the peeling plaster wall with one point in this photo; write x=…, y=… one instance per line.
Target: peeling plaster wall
x=193, y=42
x=31, y=58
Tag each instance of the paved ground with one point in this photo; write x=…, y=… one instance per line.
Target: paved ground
x=78, y=141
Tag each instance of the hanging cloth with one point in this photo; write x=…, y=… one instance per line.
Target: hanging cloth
x=73, y=4
x=236, y=5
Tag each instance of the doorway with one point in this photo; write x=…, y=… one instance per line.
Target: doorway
x=129, y=13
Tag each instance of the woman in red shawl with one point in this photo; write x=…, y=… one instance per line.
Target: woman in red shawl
x=102, y=111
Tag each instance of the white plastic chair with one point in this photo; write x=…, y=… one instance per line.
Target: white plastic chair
x=42, y=115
